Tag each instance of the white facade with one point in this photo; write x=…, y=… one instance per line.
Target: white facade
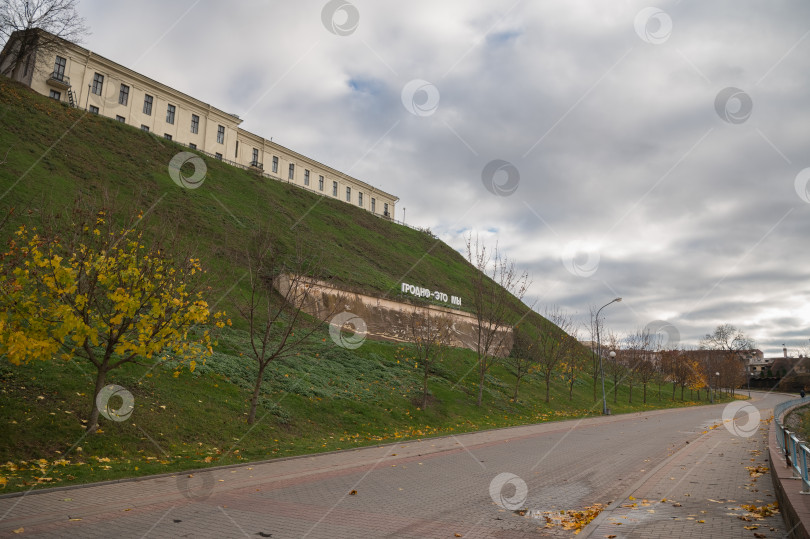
x=81, y=78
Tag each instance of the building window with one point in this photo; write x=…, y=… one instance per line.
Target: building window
x=306, y=177
x=236, y=151
x=348, y=194
x=120, y=119
x=98, y=84
x=167, y=136
x=221, y=134
x=147, y=104
x=56, y=95
x=275, y=164
x=373, y=205
x=145, y=128
x=291, y=172
x=218, y=156
x=123, y=95
x=195, y=124
x=334, y=189
x=385, y=209
x=320, y=183
x=192, y=146
x=170, y=114
x=59, y=68
x=255, y=161
x=93, y=110
x=360, y=199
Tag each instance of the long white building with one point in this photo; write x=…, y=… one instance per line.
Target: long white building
x=76, y=76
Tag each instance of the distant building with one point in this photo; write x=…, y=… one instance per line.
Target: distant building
x=78, y=77
x=784, y=366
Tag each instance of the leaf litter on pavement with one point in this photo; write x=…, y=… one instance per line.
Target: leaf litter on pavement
x=567, y=519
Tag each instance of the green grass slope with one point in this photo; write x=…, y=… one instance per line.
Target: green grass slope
x=326, y=398
x=57, y=153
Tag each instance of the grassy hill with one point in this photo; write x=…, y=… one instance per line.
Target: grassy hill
x=74, y=153
x=326, y=398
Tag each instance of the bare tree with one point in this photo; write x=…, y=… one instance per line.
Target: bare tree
x=523, y=356
x=685, y=371
x=21, y=25
x=734, y=343
x=275, y=307
x=726, y=337
x=575, y=362
x=554, y=343
x=430, y=334
x=638, y=358
x=496, y=288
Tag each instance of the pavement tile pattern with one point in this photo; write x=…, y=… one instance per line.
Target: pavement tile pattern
x=443, y=487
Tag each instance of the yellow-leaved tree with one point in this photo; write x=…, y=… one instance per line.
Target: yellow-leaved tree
x=99, y=292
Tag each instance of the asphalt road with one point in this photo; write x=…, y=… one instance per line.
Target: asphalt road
x=507, y=483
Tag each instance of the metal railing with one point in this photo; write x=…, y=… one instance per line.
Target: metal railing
x=794, y=450
x=60, y=77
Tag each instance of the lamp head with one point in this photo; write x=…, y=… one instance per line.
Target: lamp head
x=612, y=354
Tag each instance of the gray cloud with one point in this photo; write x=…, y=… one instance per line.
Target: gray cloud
x=617, y=141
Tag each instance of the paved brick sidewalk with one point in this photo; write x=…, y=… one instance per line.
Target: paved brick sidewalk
x=432, y=488
x=701, y=490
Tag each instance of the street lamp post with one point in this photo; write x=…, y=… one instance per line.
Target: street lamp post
x=748, y=376
x=599, y=351
x=717, y=384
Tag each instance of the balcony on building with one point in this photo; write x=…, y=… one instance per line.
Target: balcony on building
x=59, y=80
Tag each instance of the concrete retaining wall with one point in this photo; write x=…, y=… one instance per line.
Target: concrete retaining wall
x=390, y=320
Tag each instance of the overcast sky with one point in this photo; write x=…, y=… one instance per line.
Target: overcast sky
x=653, y=153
